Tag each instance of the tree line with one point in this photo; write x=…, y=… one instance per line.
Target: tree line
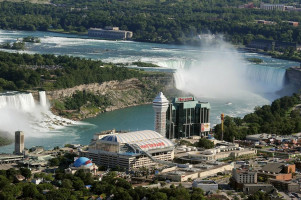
x=282, y=117
x=25, y=71
x=154, y=21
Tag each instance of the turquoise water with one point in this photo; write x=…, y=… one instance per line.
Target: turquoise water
x=128, y=119
x=267, y=75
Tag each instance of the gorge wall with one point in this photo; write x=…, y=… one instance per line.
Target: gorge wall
x=293, y=78
x=121, y=94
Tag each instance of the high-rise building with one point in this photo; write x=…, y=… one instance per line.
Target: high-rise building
x=187, y=117
x=160, y=105
x=19, y=142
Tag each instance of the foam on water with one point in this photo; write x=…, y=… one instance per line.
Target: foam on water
x=19, y=111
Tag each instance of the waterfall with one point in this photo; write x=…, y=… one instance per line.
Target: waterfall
x=19, y=111
x=266, y=79
x=176, y=63
x=43, y=99
x=18, y=101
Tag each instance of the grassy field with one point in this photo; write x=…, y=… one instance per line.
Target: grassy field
x=31, y=1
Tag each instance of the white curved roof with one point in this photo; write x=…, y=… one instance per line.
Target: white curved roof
x=132, y=137
x=159, y=143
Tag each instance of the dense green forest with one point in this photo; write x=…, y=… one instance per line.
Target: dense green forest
x=25, y=71
x=79, y=99
x=281, y=117
x=170, y=21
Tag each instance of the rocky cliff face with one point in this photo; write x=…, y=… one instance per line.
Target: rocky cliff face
x=293, y=78
x=121, y=94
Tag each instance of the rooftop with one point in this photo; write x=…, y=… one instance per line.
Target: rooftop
x=160, y=99
x=273, y=167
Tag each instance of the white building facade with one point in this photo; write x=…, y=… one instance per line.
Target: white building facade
x=131, y=150
x=160, y=105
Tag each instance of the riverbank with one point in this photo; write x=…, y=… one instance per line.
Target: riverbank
x=273, y=54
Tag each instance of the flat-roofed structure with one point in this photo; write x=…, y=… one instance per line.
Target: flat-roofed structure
x=205, y=185
x=110, y=33
x=10, y=158
x=217, y=153
x=253, y=188
x=131, y=150
x=286, y=186
x=267, y=6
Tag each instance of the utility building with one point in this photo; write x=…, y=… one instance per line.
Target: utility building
x=19, y=142
x=187, y=117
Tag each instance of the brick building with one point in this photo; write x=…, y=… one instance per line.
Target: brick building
x=278, y=171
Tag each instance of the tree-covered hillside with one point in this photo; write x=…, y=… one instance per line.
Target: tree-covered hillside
x=282, y=117
x=25, y=71
x=172, y=21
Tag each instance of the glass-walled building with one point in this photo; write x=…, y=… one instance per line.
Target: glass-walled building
x=187, y=117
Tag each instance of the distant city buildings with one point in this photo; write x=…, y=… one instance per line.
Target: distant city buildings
x=19, y=142
x=110, y=33
x=187, y=117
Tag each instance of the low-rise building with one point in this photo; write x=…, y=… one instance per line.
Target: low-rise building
x=285, y=186
x=10, y=158
x=205, y=185
x=253, y=188
x=292, y=23
x=110, y=33
x=244, y=176
x=278, y=171
x=182, y=174
x=267, y=6
x=218, y=153
x=84, y=164
x=266, y=22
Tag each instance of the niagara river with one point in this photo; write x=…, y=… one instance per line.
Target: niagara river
x=219, y=74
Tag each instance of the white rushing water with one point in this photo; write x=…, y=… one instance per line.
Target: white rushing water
x=43, y=99
x=222, y=72
x=19, y=111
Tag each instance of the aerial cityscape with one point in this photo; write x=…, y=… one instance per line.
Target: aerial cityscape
x=150, y=99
